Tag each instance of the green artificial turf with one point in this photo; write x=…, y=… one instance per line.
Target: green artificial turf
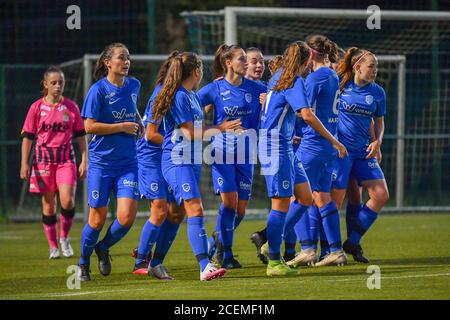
x=412, y=251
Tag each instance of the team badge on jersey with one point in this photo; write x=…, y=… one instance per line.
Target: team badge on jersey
x=248, y=97
x=134, y=98
x=198, y=121
x=369, y=99
x=95, y=194
x=333, y=176
x=220, y=181
x=154, y=187
x=186, y=187
x=286, y=184
x=65, y=117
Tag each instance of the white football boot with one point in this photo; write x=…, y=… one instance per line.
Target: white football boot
x=66, y=248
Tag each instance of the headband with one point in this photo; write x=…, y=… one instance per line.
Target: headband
x=360, y=58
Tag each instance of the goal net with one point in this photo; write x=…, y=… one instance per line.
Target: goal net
x=414, y=68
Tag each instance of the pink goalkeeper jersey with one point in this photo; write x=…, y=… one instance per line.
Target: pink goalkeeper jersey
x=53, y=127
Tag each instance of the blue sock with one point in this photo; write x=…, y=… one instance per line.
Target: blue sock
x=290, y=240
x=366, y=218
x=303, y=231
x=167, y=235
x=219, y=218
x=211, y=241
x=295, y=213
x=351, y=215
x=314, y=225
x=330, y=220
x=115, y=232
x=89, y=237
x=197, y=238
x=237, y=220
x=149, y=235
x=227, y=232
x=324, y=245
x=275, y=226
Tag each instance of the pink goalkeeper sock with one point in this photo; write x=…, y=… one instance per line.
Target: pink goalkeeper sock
x=65, y=226
x=51, y=234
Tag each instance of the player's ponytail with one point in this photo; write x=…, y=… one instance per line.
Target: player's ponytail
x=181, y=68
x=322, y=47
x=331, y=50
x=223, y=53
x=51, y=69
x=100, y=67
x=295, y=58
x=165, y=67
x=345, y=68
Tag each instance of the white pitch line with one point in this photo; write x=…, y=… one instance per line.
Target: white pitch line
x=399, y=277
x=74, y=294
x=5, y=237
x=87, y=293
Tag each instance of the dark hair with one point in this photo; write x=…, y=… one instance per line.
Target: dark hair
x=294, y=62
x=165, y=67
x=100, y=68
x=51, y=69
x=275, y=63
x=341, y=53
x=345, y=68
x=181, y=68
x=223, y=53
x=323, y=46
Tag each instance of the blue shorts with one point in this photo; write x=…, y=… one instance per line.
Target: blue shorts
x=300, y=174
x=184, y=180
x=152, y=184
x=359, y=169
x=100, y=182
x=281, y=184
x=319, y=170
x=233, y=178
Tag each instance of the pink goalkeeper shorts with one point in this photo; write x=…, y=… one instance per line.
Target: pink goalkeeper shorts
x=47, y=177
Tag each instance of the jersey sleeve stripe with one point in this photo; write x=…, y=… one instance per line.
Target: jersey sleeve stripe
x=28, y=135
x=79, y=133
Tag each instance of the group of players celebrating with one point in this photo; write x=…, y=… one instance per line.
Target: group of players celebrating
x=316, y=126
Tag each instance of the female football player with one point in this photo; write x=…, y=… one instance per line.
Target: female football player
x=53, y=121
x=111, y=116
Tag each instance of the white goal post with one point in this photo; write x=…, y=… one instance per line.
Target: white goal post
x=231, y=14
x=232, y=17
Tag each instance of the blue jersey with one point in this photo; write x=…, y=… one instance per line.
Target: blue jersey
x=322, y=87
x=110, y=104
x=261, y=82
x=300, y=124
x=148, y=153
x=279, y=112
x=357, y=107
x=233, y=102
x=185, y=108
